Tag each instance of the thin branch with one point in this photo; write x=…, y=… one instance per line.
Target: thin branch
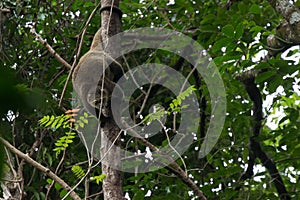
x=35, y=145
x=56, y=171
x=4, y=10
x=55, y=77
x=174, y=167
x=50, y=49
x=40, y=167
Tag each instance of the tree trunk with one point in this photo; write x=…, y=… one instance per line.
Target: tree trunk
x=112, y=184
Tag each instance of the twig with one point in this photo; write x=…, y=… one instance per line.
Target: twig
x=174, y=167
x=4, y=10
x=56, y=171
x=36, y=143
x=40, y=167
x=50, y=49
x=55, y=77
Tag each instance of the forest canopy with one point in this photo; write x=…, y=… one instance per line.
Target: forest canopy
x=252, y=45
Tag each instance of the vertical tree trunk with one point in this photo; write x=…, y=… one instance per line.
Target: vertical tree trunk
x=112, y=184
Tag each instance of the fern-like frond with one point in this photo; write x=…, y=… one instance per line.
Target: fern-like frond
x=67, y=121
x=78, y=171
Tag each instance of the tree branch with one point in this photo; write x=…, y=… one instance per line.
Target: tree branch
x=173, y=167
x=271, y=167
x=255, y=150
x=37, y=142
x=288, y=31
x=40, y=167
x=50, y=49
x=4, y=10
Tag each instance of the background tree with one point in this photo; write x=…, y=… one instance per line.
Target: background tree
x=255, y=47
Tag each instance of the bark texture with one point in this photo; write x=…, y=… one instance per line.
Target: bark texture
x=288, y=31
x=112, y=184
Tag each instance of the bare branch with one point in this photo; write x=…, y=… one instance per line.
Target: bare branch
x=50, y=49
x=41, y=168
x=174, y=167
x=4, y=10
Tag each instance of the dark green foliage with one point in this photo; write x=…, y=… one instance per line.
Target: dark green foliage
x=12, y=93
x=32, y=82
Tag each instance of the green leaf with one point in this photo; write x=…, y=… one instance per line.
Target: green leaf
x=255, y=9
x=208, y=28
x=49, y=180
x=63, y=193
x=37, y=196
x=71, y=136
x=262, y=65
x=246, y=63
x=44, y=120
x=66, y=124
x=239, y=31
x=50, y=121
x=49, y=159
x=139, y=195
x=58, y=144
x=264, y=76
x=88, y=4
x=53, y=125
x=231, y=47
x=81, y=124
x=294, y=115
x=69, y=141
x=78, y=171
x=243, y=8
x=99, y=178
x=61, y=121
x=221, y=43
x=256, y=30
x=207, y=19
x=171, y=106
x=228, y=30
x=57, y=186
x=53, y=3
x=58, y=149
x=65, y=145
x=276, y=81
